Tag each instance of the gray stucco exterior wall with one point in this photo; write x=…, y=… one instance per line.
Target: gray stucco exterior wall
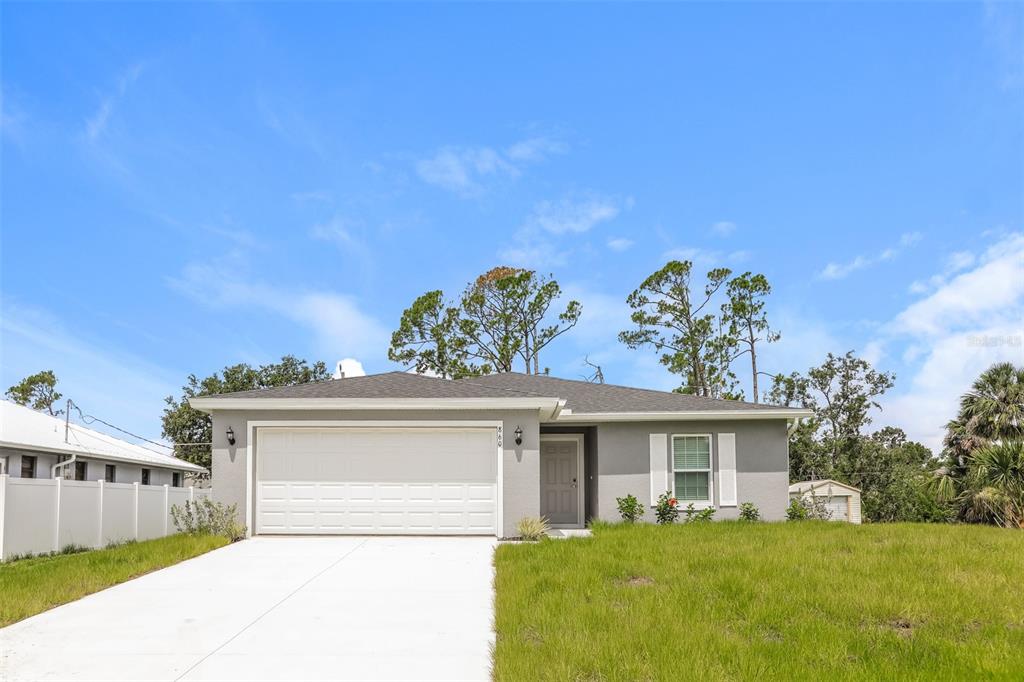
x=762, y=463
x=520, y=494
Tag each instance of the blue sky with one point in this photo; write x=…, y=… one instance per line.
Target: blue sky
x=189, y=186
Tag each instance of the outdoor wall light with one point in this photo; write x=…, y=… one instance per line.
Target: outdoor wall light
x=231, y=436
x=519, y=435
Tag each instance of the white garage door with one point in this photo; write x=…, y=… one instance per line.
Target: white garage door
x=416, y=481
x=839, y=508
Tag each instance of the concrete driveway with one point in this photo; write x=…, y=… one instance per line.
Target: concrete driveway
x=318, y=608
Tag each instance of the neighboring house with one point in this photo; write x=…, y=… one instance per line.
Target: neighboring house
x=409, y=454
x=843, y=501
x=33, y=443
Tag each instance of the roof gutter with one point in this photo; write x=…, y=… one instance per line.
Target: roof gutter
x=549, y=407
x=691, y=415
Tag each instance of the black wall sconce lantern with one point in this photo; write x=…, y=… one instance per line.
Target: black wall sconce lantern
x=519, y=435
x=231, y=436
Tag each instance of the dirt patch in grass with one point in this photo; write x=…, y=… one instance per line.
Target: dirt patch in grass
x=637, y=581
x=902, y=627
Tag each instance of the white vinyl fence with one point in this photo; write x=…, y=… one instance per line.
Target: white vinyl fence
x=39, y=515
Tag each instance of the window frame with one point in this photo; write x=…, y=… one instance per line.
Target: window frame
x=35, y=466
x=83, y=466
x=176, y=479
x=110, y=473
x=146, y=476
x=697, y=504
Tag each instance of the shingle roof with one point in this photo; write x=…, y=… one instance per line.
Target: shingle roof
x=26, y=429
x=388, y=385
x=581, y=396
x=586, y=397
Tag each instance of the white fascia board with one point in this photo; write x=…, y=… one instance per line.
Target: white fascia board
x=693, y=415
x=549, y=406
x=181, y=465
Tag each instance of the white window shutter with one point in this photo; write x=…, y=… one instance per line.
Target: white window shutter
x=727, y=469
x=659, y=466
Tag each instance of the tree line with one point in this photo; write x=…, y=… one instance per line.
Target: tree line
x=503, y=320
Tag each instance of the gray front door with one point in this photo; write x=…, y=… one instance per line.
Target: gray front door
x=559, y=481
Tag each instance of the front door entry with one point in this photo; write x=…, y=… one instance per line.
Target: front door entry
x=560, y=482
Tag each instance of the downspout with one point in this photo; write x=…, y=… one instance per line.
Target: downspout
x=792, y=426
x=53, y=469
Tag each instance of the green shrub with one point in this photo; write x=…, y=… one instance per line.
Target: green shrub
x=705, y=514
x=810, y=507
x=630, y=508
x=532, y=527
x=667, y=509
x=749, y=512
x=796, y=511
x=206, y=517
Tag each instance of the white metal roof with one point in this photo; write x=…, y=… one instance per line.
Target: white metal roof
x=808, y=486
x=28, y=429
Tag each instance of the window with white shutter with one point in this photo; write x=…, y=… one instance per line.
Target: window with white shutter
x=692, y=480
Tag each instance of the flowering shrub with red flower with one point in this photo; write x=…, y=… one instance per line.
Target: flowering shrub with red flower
x=667, y=509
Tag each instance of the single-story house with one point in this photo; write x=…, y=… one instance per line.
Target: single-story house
x=410, y=454
x=37, y=445
x=842, y=500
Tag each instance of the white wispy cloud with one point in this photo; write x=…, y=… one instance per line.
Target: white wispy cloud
x=96, y=124
x=840, y=270
x=723, y=228
x=706, y=258
x=573, y=216
x=955, y=262
x=537, y=242
x=620, y=243
x=970, y=321
x=338, y=323
x=86, y=368
x=465, y=171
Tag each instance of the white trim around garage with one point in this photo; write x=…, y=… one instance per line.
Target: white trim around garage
x=580, y=475
x=250, y=453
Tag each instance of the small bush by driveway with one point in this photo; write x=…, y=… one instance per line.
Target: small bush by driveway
x=768, y=601
x=30, y=586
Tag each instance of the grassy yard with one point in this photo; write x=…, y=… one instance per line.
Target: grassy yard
x=763, y=601
x=30, y=586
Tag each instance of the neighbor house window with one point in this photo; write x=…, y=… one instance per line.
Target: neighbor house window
x=79, y=471
x=145, y=477
x=110, y=473
x=28, y=466
x=691, y=468
x=176, y=479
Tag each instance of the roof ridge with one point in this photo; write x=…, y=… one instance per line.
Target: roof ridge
x=635, y=388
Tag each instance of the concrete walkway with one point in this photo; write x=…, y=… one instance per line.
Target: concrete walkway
x=339, y=608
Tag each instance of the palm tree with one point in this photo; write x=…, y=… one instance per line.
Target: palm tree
x=994, y=490
x=979, y=449
x=993, y=409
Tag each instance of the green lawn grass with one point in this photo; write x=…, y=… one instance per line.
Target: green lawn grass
x=30, y=586
x=726, y=601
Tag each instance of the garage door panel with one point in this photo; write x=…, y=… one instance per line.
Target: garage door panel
x=418, y=481
x=408, y=455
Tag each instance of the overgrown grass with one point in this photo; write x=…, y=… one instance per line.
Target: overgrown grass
x=733, y=600
x=30, y=586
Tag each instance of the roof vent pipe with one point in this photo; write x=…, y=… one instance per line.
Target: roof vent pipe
x=339, y=372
